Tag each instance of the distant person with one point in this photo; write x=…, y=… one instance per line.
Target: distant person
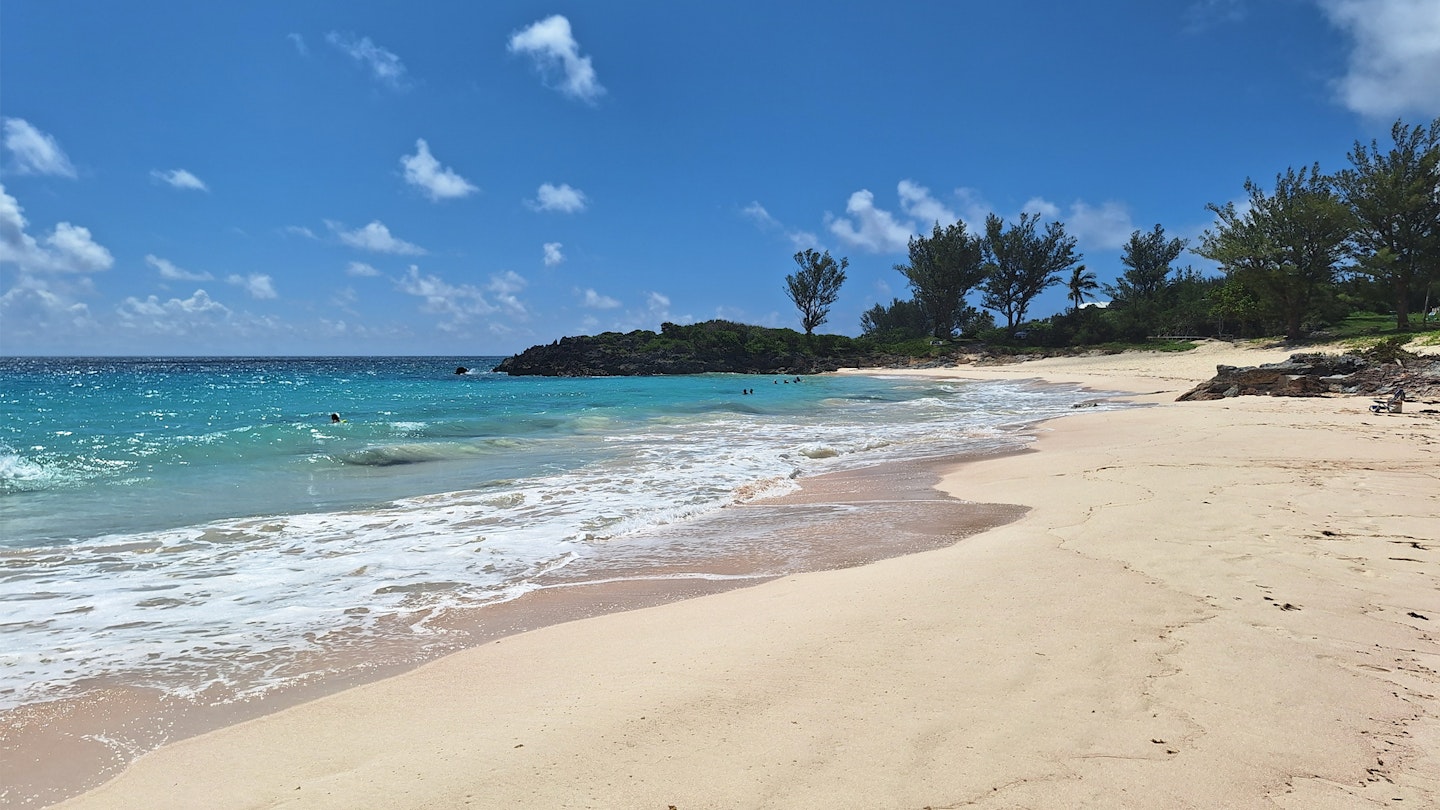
x=334, y=418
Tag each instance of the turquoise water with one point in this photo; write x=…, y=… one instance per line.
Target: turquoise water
x=193, y=523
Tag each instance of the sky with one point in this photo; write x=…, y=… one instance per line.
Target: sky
x=461, y=178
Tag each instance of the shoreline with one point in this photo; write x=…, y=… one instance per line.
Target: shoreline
x=67, y=746
x=1210, y=603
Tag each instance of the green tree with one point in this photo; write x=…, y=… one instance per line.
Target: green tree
x=1284, y=247
x=901, y=320
x=944, y=267
x=1395, y=197
x=1142, y=296
x=1021, y=263
x=815, y=286
x=1081, y=286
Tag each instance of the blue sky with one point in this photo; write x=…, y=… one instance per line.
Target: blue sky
x=472, y=178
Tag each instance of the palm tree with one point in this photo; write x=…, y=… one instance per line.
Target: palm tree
x=1081, y=283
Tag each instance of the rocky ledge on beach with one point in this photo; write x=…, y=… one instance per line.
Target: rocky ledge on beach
x=1313, y=375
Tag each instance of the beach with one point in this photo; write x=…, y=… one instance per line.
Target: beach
x=1204, y=604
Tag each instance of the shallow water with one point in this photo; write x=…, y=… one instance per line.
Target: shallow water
x=201, y=528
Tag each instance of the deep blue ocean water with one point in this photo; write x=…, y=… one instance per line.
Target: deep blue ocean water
x=187, y=523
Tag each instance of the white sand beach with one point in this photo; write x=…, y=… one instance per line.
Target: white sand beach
x=1208, y=604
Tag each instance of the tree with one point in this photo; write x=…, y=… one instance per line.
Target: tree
x=943, y=268
x=1395, y=198
x=1142, y=294
x=901, y=320
x=1082, y=283
x=1020, y=264
x=1286, y=247
x=815, y=286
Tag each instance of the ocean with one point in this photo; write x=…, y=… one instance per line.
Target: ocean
x=203, y=528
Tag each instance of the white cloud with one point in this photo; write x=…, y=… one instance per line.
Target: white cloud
x=179, y=178
x=1203, y=15
x=385, y=66
x=505, y=286
x=658, y=303
x=438, y=182
x=1395, y=62
x=175, y=316
x=299, y=230
x=765, y=222
x=916, y=202
x=553, y=256
x=553, y=48
x=361, y=269
x=257, y=285
x=67, y=249
x=561, y=198
x=32, y=310
x=869, y=228
x=168, y=270
x=34, y=151
x=1106, y=227
x=594, y=300
x=460, y=302
x=299, y=43
x=375, y=237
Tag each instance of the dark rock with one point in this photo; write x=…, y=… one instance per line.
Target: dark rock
x=1313, y=375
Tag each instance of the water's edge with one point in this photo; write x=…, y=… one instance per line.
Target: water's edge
x=62, y=748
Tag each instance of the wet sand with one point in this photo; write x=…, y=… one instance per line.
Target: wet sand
x=1211, y=604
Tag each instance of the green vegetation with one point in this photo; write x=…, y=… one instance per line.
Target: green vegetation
x=815, y=286
x=1357, y=250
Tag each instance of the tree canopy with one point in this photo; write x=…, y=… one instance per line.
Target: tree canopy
x=815, y=286
x=944, y=267
x=1285, y=247
x=1395, y=197
x=1021, y=263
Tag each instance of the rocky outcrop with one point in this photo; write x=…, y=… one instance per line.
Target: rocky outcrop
x=1313, y=375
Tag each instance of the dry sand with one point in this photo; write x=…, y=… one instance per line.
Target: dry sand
x=1209, y=604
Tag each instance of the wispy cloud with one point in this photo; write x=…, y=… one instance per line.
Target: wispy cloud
x=34, y=151
x=179, y=178
x=1394, y=64
x=553, y=256
x=257, y=285
x=799, y=239
x=299, y=230
x=361, y=269
x=438, y=182
x=375, y=237
x=560, y=198
x=554, y=50
x=299, y=43
x=458, y=302
x=385, y=66
x=1202, y=15
x=505, y=287
x=170, y=272
x=594, y=300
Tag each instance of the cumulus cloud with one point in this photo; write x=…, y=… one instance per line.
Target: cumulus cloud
x=361, y=269
x=504, y=287
x=458, y=302
x=553, y=256
x=66, y=249
x=551, y=45
x=594, y=300
x=256, y=285
x=34, y=151
x=375, y=237
x=169, y=271
x=179, y=178
x=385, y=66
x=1104, y=227
x=1394, y=64
x=560, y=198
x=438, y=182
x=916, y=202
x=31, y=309
x=176, y=316
x=870, y=228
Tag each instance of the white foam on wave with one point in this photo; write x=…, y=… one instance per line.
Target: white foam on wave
x=226, y=603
